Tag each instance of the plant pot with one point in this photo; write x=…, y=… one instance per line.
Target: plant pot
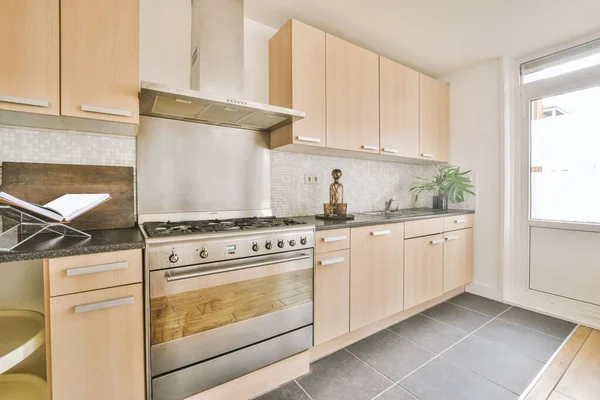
x=440, y=203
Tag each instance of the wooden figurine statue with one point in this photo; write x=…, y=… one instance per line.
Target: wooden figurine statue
x=336, y=189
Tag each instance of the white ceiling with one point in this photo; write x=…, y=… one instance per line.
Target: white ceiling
x=439, y=37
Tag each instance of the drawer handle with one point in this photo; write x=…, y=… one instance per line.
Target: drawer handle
x=103, y=110
x=449, y=238
x=101, y=305
x=381, y=233
x=25, y=101
x=460, y=221
x=427, y=155
x=333, y=261
x=437, y=241
x=308, y=139
x=364, y=146
x=334, y=239
x=93, y=269
x=393, y=151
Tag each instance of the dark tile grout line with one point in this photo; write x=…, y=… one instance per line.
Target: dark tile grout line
x=368, y=365
x=503, y=320
x=301, y=388
x=461, y=340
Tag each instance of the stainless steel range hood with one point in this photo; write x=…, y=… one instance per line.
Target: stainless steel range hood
x=216, y=76
x=163, y=101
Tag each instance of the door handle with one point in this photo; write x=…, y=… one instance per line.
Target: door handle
x=333, y=261
x=104, y=304
x=393, y=151
x=93, y=269
x=427, y=155
x=381, y=233
x=334, y=239
x=449, y=238
x=24, y=101
x=308, y=139
x=364, y=146
x=436, y=241
x=103, y=110
x=460, y=221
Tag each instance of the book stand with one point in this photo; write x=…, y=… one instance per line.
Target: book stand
x=17, y=227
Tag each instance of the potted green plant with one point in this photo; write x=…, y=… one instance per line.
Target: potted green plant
x=450, y=184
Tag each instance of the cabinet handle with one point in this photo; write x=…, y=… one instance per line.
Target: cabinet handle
x=104, y=304
x=333, y=261
x=460, y=221
x=381, y=233
x=427, y=155
x=449, y=238
x=102, y=110
x=364, y=146
x=308, y=139
x=334, y=239
x=436, y=241
x=25, y=101
x=393, y=151
x=93, y=269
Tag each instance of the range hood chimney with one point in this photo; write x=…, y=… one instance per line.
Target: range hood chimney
x=217, y=76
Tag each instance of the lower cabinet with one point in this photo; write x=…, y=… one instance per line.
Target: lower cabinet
x=332, y=295
x=458, y=258
x=97, y=344
x=376, y=273
x=423, y=266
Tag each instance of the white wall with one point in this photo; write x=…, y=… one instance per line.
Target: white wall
x=475, y=129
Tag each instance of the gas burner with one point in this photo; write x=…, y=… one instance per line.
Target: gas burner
x=159, y=229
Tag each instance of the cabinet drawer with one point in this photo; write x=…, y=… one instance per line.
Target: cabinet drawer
x=97, y=344
x=423, y=227
x=96, y=271
x=458, y=222
x=334, y=240
x=332, y=295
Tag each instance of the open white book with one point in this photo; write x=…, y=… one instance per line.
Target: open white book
x=64, y=209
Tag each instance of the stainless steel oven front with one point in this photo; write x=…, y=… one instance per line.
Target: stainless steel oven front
x=214, y=322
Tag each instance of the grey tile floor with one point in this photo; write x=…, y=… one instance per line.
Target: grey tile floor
x=468, y=348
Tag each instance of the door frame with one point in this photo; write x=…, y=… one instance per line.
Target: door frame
x=516, y=195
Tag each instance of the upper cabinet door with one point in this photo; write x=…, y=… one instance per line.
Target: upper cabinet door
x=435, y=119
x=100, y=59
x=352, y=97
x=297, y=80
x=29, y=56
x=399, y=109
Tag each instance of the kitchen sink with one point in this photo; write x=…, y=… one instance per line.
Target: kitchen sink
x=400, y=213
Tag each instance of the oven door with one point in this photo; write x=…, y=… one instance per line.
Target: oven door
x=201, y=312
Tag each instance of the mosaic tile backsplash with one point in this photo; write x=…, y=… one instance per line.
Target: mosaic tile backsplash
x=367, y=184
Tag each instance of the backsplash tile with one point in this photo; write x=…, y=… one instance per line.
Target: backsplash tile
x=367, y=184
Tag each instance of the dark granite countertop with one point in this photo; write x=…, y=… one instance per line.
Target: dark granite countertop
x=52, y=246
x=362, y=219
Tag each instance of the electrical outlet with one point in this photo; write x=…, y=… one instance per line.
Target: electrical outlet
x=311, y=179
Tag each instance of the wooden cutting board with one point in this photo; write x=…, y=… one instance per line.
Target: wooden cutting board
x=42, y=183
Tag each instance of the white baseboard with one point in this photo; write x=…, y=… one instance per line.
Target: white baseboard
x=479, y=289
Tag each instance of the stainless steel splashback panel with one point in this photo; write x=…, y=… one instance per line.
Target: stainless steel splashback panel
x=188, y=168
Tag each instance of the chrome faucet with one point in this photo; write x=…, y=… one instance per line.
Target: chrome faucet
x=391, y=205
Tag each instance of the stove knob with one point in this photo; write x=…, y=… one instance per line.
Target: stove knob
x=268, y=245
x=280, y=244
x=303, y=241
x=292, y=242
x=203, y=253
x=255, y=246
x=173, y=258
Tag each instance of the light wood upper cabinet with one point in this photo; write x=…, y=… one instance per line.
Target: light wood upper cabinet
x=398, y=109
x=423, y=266
x=297, y=80
x=434, y=119
x=376, y=273
x=100, y=59
x=29, y=56
x=97, y=344
x=458, y=258
x=352, y=81
x=332, y=295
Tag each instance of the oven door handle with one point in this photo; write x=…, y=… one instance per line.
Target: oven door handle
x=203, y=272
